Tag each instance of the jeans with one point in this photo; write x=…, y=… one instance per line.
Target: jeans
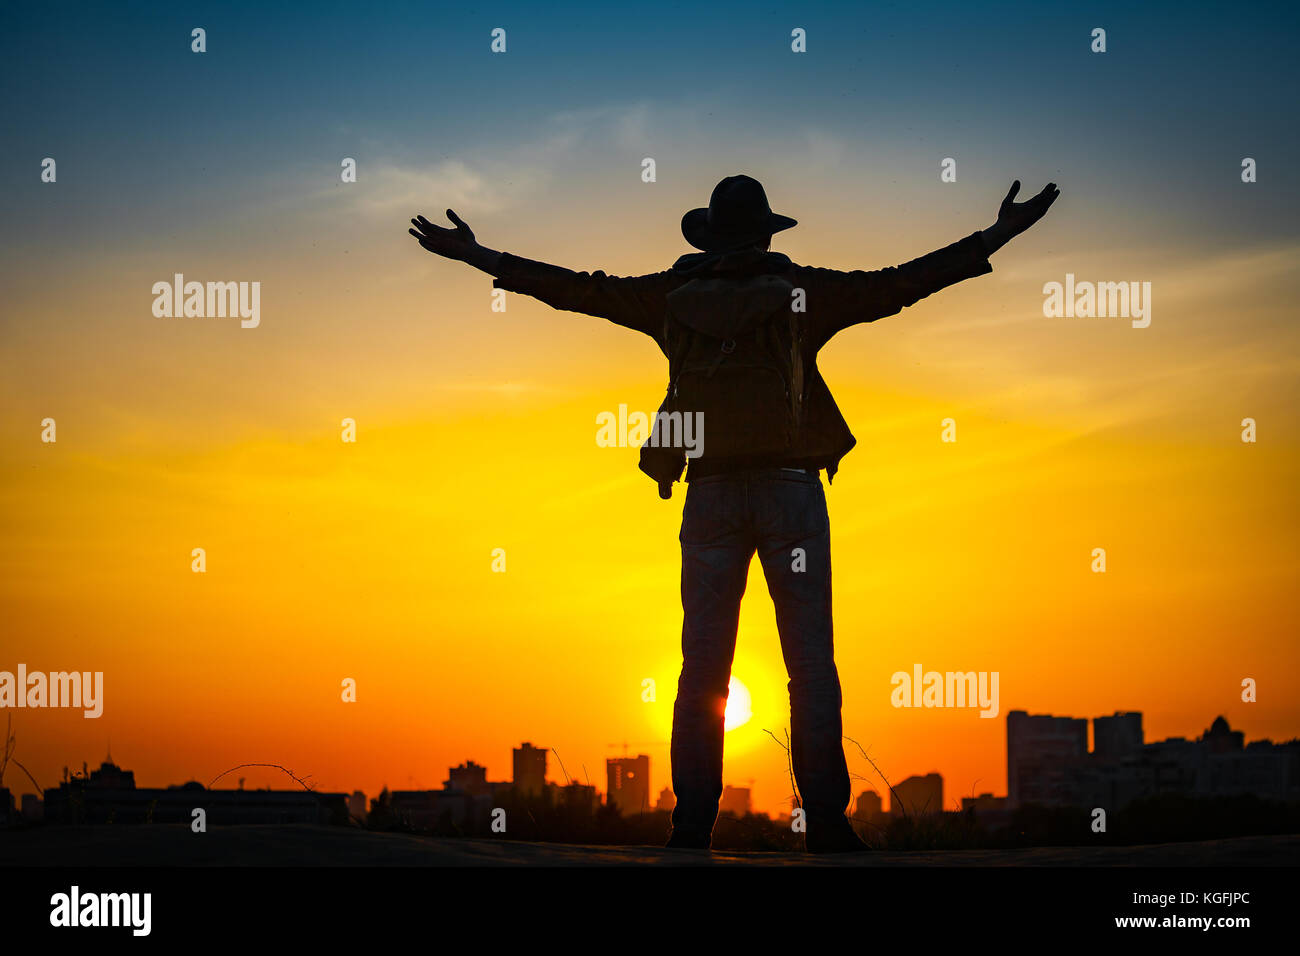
x=773, y=511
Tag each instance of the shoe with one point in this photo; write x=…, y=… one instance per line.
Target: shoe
x=686, y=840
x=834, y=839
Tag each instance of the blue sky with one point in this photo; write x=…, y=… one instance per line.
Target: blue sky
x=144, y=130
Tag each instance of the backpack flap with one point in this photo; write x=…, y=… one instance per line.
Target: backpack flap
x=725, y=308
x=733, y=360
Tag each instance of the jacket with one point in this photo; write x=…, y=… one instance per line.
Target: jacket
x=833, y=300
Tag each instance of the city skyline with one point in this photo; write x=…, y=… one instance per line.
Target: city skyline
x=1113, y=737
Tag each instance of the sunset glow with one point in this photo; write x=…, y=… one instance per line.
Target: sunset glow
x=738, y=708
x=376, y=561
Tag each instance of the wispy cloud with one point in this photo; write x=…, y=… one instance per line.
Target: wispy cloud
x=490, y=181
x=502, y=176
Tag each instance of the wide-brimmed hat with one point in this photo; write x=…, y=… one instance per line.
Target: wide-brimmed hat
x=738, y=215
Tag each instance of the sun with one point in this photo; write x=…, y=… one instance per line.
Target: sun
x=738, y=705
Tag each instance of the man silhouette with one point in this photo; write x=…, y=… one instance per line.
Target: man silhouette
x=741, y=327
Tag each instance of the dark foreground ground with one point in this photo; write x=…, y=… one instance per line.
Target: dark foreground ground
x=340, y=846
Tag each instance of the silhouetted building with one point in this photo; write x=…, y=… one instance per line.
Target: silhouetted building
x=667, y=800
x=1117, y=737
x=529, y=770
x=735, y=800
x=989, y=811
x=427, y=809
x=88, y=800
x=868, y=808
x=467, y=798
x=1039, y=748
x=629, y=783
x=33, y=810
x=109, y=776
x=1230, y=766
x=357, y=805
x=469, y=777
x=1222, y=739
x=579, y=797
x=1164, y=766
x=919, y=796
x=1122, y=768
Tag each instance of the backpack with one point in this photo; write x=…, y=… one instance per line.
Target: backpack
x=734, y=349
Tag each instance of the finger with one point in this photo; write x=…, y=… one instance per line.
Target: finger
x=451, y=214
x=1011, y=193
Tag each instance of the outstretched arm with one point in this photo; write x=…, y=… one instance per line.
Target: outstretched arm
x=837, y=300
x=636, y=302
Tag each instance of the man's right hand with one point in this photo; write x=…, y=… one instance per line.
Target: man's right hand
x=458, y=243
x=455, y=243
x=1015, y=217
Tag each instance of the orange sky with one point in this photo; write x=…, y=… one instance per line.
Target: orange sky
x=477, y=430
